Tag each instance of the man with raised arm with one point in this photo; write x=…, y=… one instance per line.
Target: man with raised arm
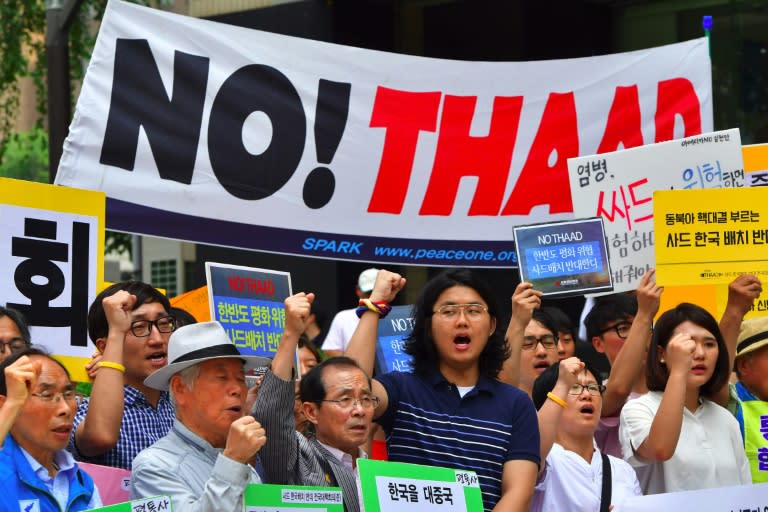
x=336, y=399
x=452, y=411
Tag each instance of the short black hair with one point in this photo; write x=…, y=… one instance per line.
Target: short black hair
x=657, y=374
x=545, y=382
x=29, y=351
x=561, y=321
x=607, y=309
x=98, y=327
x=312, y=387
x=21, y=323
x=544, y=317
x=182, y=316
x=420, y=344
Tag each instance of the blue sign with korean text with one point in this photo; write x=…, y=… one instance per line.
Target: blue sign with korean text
x=393, y=331
x=248, y=302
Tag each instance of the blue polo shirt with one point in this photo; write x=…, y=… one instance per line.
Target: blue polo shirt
x=428, y=422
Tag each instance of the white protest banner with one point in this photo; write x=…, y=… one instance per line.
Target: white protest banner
x=619, y=187
x=52, y=261
x=743, y=498
x=230, y=136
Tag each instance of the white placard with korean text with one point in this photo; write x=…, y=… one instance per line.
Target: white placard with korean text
x=619, y=187
x=742, y=498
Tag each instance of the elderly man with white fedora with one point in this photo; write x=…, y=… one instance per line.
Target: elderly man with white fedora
x=204, y=463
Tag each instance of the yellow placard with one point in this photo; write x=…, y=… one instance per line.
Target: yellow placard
x=702, y=295
x=710, y=236
x=52, y=260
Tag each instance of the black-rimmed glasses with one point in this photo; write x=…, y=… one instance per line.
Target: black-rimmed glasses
x=548, y=341
x=143, y=328
x=621, y=329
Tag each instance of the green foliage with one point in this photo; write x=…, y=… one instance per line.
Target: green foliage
x=26, y=156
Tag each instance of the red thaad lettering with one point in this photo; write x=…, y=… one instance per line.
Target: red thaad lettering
x=250, y=285
x=677, y=97
x=540, y=183
x=404, y=114
x=624, y=125
x=460, y=154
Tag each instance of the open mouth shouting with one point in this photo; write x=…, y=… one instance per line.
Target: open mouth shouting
x=158, y=359
x=462, y=343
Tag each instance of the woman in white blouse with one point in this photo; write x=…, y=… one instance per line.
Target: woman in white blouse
x=675, y=436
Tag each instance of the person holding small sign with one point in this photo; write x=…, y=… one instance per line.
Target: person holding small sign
x=677, y=437
x=532, y=339
x=452, y=411
x=335, y=398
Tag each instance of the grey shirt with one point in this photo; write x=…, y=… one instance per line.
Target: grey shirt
x=197, y=476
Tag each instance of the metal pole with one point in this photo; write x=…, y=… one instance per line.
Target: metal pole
x=59, y=15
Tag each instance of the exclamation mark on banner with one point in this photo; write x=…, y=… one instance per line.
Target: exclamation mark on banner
x=330, y=121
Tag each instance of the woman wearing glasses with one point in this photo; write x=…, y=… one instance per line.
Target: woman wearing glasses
x=675, y=435
x=569, y=399
x=34, y=466
x=451, y=411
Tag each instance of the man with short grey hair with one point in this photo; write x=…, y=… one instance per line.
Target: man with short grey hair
x=204, y=463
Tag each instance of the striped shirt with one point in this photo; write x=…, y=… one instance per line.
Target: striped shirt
x=428, y=422
x=142, y=425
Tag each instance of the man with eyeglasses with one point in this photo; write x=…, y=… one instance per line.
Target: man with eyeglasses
x=36, y=472
x=14, y=333
x=130, y=325
x=336, y=399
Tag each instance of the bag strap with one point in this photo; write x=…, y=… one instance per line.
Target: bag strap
x=605, y=496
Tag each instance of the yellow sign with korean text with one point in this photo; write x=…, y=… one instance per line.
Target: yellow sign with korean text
x=52, y=260
x=710, y=236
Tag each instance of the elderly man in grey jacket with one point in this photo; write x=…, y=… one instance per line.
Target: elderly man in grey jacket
x=204, y=463
x=336, y=399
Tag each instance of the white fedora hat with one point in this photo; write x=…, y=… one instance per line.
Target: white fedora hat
x=195, y=343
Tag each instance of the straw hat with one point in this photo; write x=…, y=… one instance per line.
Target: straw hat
x=752, y=336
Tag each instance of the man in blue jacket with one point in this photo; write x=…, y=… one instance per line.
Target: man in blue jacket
x=36, y=472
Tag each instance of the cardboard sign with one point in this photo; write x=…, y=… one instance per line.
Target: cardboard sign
x=248, y=302
x=400, y=487
x=52, y=260
x=154, y=504
x=564, y=258
x=392, y=332
x=744, y=498
x=710, y=236
x=405, y=159
x=292, y=498
x=619, y=187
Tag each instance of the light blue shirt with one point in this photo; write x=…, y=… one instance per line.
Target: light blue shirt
x=197, y=476
x=58, y=485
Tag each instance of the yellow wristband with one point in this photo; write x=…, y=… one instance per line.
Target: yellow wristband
x=559, y=401
x=110, y=364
